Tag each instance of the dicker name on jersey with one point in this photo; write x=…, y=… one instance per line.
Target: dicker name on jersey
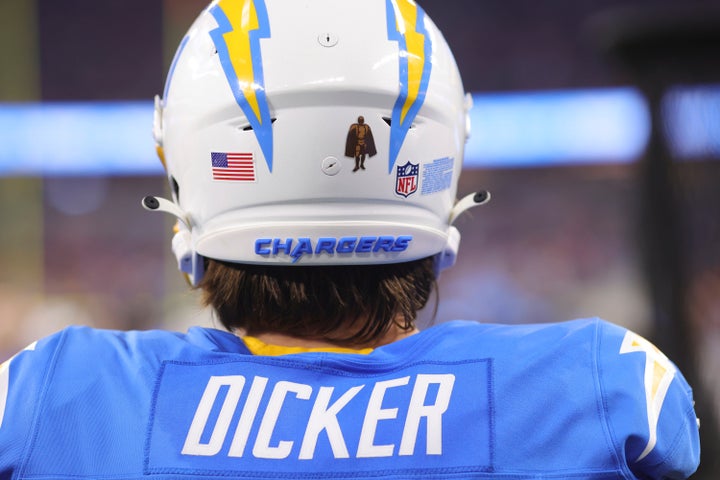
x=220, y=417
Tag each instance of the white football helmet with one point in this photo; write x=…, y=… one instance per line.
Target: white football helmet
x=328, y=132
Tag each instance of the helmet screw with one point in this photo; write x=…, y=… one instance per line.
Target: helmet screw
x=327, y=39
x=331, y=166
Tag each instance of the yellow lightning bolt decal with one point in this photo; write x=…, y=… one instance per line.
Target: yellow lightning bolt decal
x=243, y=19
x=659, y=372
x=406, y=25
x=241, y=25
x=406, y=19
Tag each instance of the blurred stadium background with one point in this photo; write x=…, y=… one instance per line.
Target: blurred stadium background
x=596, y=128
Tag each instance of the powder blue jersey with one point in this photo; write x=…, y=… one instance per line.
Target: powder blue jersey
x=582, y=399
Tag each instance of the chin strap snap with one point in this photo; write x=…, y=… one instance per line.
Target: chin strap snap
x=189, y=262
x=159, y=204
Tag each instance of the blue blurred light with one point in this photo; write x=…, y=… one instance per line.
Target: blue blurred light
x=557, y=128
x=692, y=121
x=508, y=130
x=90, y=138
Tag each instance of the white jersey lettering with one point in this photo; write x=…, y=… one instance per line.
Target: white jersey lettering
x=252, y=404
x=193, y=445
x=4, y=387
x=220, y=404
x=262, y=447
x=432, y=413
x=5, y=381
x=325, y=418
x=373, y=415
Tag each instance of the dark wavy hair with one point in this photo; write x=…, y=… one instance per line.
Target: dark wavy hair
x=347, y=305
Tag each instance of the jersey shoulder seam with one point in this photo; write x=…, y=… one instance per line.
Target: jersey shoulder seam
x=40, y=404
x=602, y=404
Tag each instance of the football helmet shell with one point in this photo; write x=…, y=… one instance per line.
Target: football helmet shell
x=325, y=132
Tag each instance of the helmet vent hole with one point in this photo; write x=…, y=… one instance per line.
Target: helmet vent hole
x=247, y=128
x=175, y=189
x=388, y=120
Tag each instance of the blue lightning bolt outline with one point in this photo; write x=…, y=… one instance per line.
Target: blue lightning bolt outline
x=262, y=127
x=398, y=129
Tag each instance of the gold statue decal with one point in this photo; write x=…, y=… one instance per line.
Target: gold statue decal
x=360, y=143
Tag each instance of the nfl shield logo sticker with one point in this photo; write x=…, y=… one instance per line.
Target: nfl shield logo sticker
x=406, y=182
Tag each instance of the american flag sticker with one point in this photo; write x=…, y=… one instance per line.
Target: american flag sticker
x=238, y=167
